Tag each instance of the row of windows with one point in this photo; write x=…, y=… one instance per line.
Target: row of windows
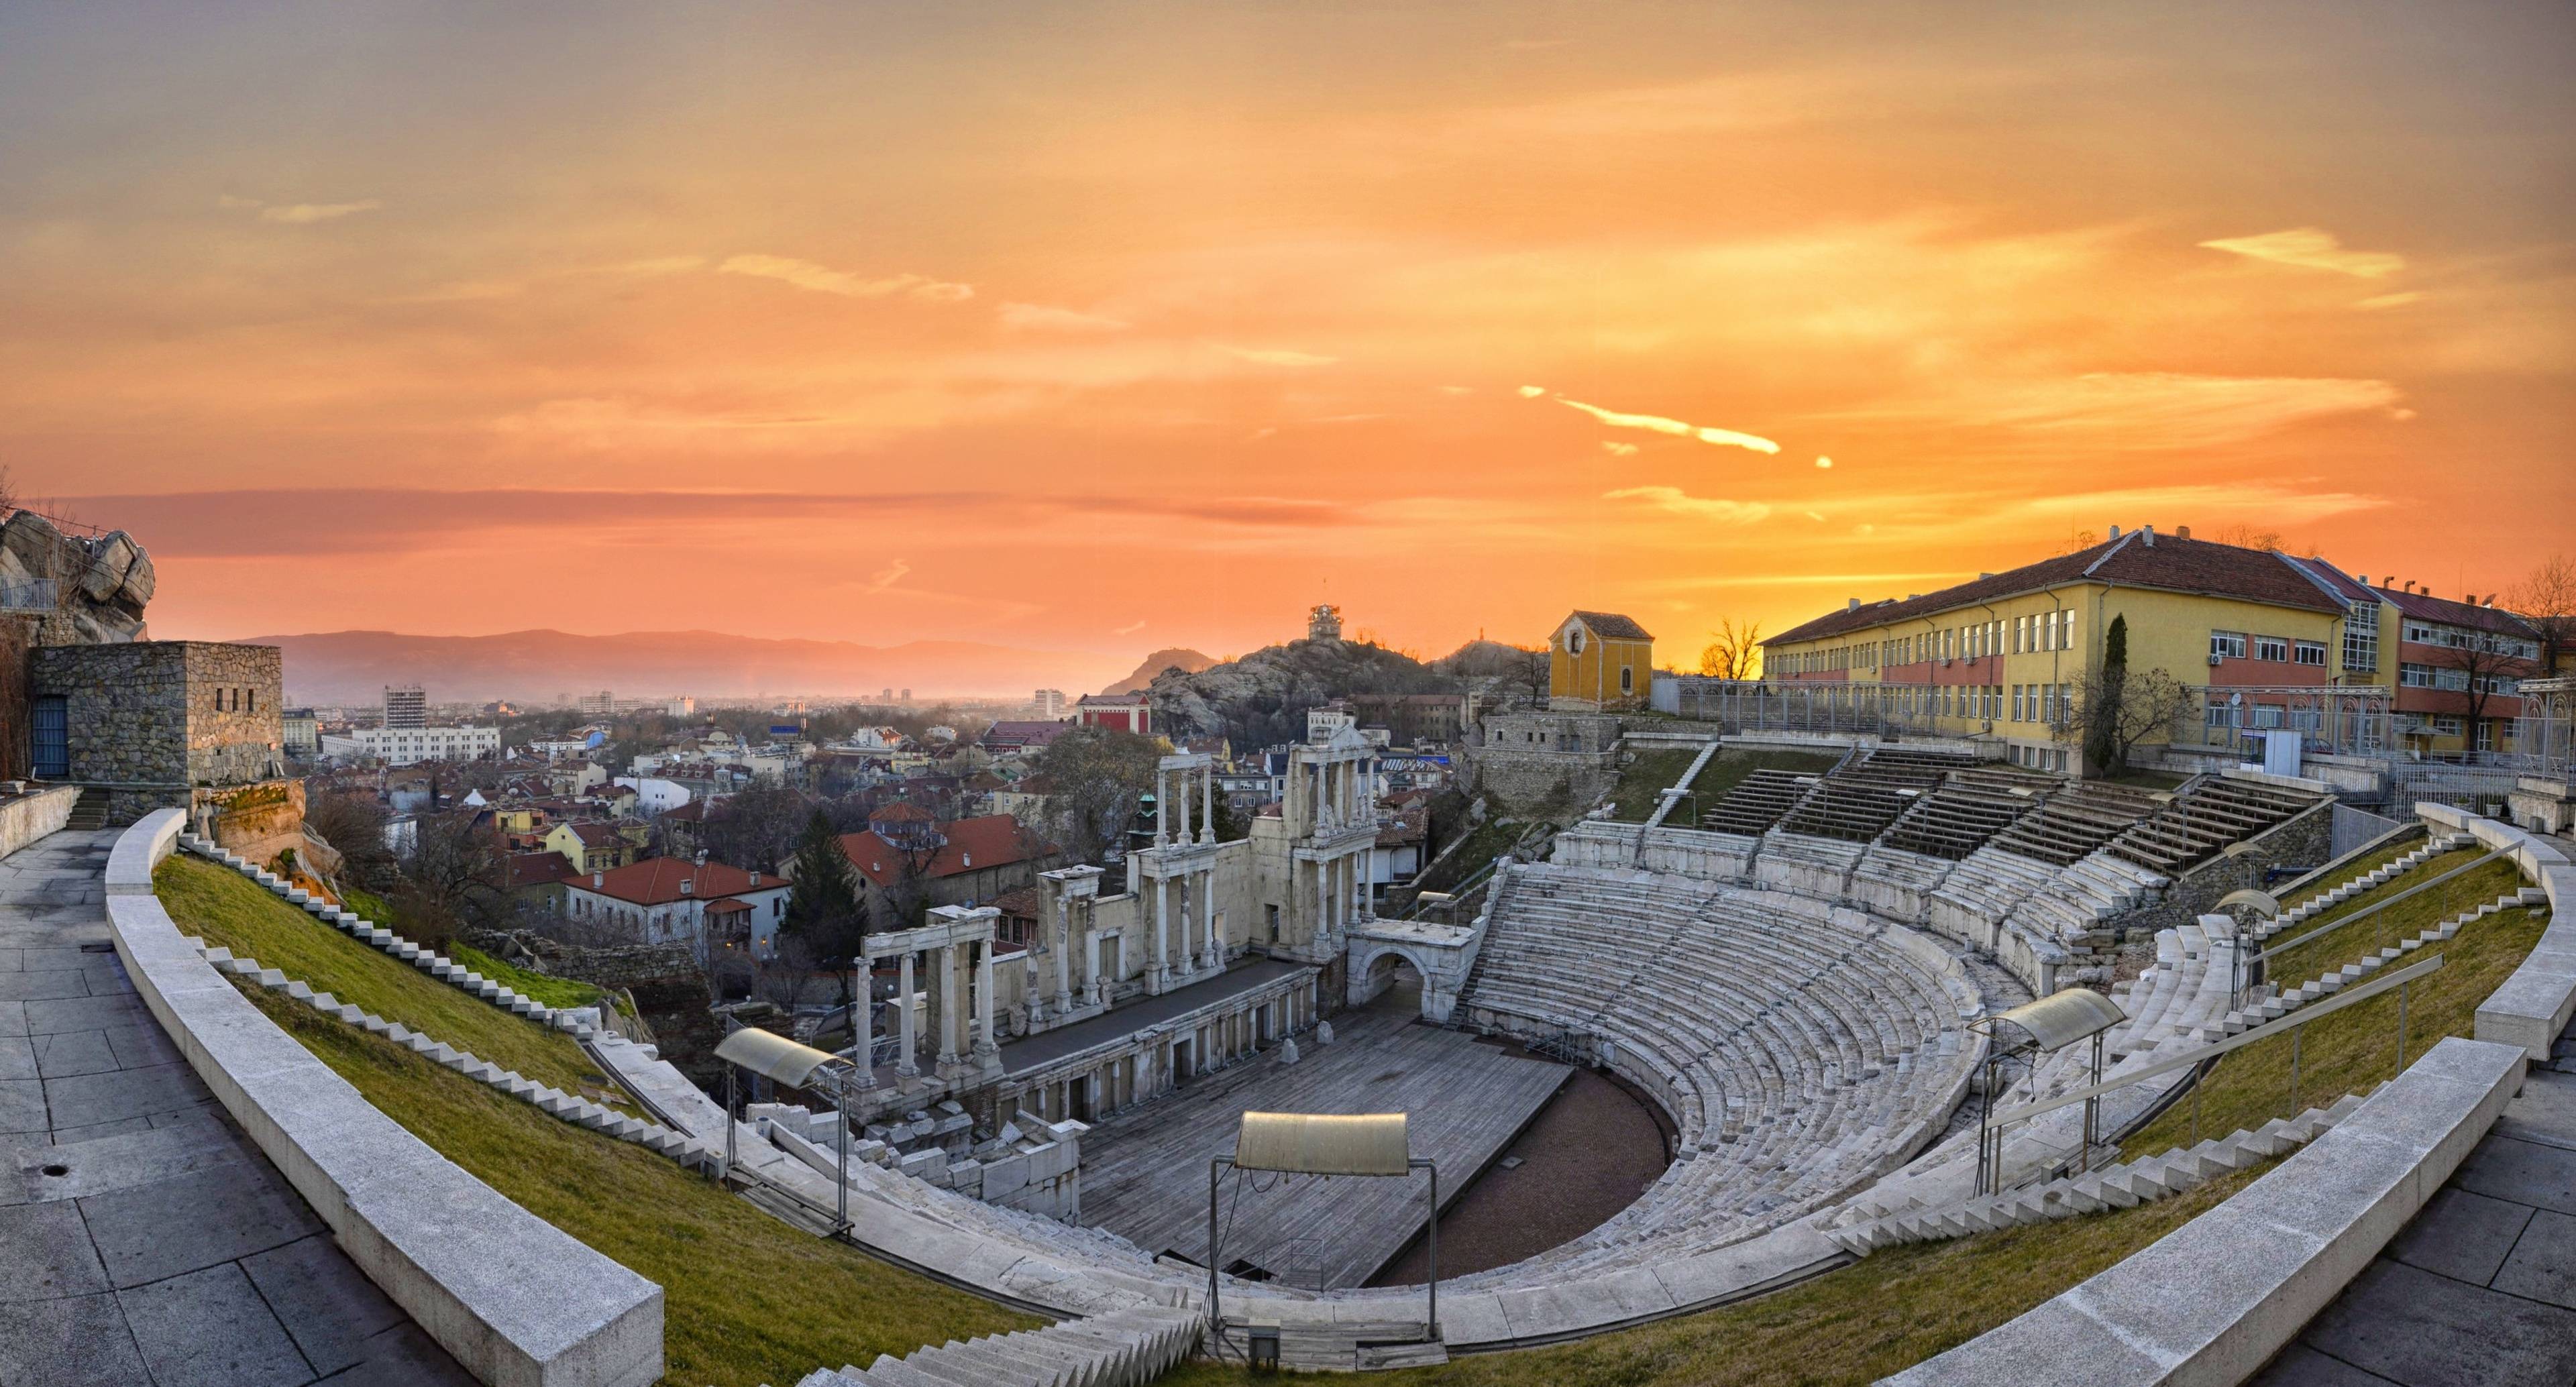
x=2023, y=635
x=2048, y=703
x=2361, y=638
x=2279, y=650
x=2415, y=676
x=2457, y=638
x=231, y=699
x=2263, y=716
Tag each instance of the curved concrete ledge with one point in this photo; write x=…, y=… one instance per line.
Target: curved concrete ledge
x=516, y=1301
x=2533, y=1006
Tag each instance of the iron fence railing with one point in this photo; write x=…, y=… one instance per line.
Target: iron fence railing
x=34, y=595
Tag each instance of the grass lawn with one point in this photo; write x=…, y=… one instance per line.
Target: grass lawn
x=2411, y=916
x=223, y=907
x=1893, y=1308
x=747, y=1299
x=541, y=987
x=2359, y=866
x=2354, y=1048
x=1481, y=847
x=1632, y=800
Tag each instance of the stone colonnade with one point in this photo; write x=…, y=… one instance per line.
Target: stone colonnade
x=956, y=939
x=1152, y=1062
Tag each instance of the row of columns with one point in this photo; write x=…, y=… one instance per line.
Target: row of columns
x=1193, y=888
x=1152, y=1068
x=960, y=1036
x=1183, y=769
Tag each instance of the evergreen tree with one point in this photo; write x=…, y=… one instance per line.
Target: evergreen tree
x=2102, y=713
x=824, y=911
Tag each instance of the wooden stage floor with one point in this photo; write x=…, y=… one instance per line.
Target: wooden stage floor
x=1145, y=1172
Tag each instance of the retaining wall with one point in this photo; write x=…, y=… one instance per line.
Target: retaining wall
x=515, y=1300
x=27, y=818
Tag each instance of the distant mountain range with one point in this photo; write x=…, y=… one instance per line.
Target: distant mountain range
x=352, y=667
x=1176, y=657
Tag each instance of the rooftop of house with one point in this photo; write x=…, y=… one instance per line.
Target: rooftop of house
x=1612, y=626
x=2139, y=559
x=966, y=845
x=660, y=881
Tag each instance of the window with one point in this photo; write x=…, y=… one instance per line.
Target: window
x=2017, y=703
x=2447, y=725
x=2267, y=715
x=2272, y=648
x=2361, y=638
x=2227, y=645
x=2311, y=653
x=1627, y=679
x=2219, y=715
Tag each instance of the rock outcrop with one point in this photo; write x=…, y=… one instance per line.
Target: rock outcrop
x=100, y=586
x=1262, y=699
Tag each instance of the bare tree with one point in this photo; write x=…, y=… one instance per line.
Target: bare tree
x=2546, y=597
x=1733, y=654
x=457, y=866
x=354, y=826
x=1100, y=776
x=2478, y=662
x=758, y=825
x=2117, y=710
x=1534, y=670
x=2245, y=536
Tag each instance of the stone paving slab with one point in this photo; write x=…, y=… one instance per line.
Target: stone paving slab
x=143, y=1238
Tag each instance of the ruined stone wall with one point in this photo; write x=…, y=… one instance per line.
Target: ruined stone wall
x=1531, y=758
x=2306, y=840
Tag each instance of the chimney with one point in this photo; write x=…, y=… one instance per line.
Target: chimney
x=2182, y=532
x=702, y=857
x=688, y=886
x=598, y=879
x=755, y=876
x=2115, y=532
x=1852, y=605
x=2362, y=578
x=2147, y=535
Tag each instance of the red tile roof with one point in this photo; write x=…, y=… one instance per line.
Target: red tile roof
x=538, y=869
x=656, y=881
x=993, y=840
x=2171, y=563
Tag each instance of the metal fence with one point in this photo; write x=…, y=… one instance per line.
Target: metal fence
x=2480, y=789
x=2544, y=737
x=2354, y=827
x=1828, y=706
x=2329, y=721
x=34, y=595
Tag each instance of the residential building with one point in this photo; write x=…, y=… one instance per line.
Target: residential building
x=668, y=899
x=600, y=704
x=960, y=862
x=2453, y=668
x=1133, y=712
x=1021, y=735
x=1598, y=661
x=592, y=846
x=406, y=706
x=1049, y=704
x=302, y=731
x=403, y=746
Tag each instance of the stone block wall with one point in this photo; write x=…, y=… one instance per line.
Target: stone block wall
x=2306, y=840
x=236, y=715
x=154, y=719
x=1527, y=758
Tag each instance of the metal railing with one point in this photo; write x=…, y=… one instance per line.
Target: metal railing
x=34, y=595
x=2330, y=720
x=2376, y=910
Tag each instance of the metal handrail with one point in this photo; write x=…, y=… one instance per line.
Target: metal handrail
x=2245, y=962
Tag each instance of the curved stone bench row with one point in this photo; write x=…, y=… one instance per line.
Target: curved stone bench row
x=511, y=1297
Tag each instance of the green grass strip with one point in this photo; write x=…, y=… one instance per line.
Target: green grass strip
x=747, y=1299
x=2303, y=962
x=221, y=906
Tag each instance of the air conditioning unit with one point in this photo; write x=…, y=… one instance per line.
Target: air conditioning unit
x=2214, y=657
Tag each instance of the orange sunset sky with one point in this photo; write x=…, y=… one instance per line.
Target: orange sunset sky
x=1111, y=326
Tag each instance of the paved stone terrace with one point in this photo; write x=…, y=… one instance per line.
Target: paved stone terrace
x=2480, y=1290
x=143, y=1239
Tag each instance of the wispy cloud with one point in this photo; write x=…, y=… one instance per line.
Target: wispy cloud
x=1617, y=449
x=1039, y=317
x=1129, y=629
x=822, y=279
x=298, y=213
x=1656, y=423
x=885, y=578
x=1678, y=502
x=2311, y=248
x=2139, y=411
x=1277, y=356
x=2390, y=300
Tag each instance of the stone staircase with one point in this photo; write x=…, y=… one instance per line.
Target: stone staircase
x=2113, y=1187
x=89, y=812
x=2281, y=1004
x=1119, y=1349
x=2326, y=900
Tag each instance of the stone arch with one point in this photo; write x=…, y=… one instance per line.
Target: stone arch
x=1361, y=982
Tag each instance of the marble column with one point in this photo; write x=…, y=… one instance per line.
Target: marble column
x=1207, y=920
x=986, y=1043
x=863, y=1023
x=904, y=1064
x=946, y=954
x=1063, y=954
x=1162, y=807
x=1162, y=928
x=1207, y=804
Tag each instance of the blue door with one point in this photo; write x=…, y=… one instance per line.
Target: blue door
x=53, y=739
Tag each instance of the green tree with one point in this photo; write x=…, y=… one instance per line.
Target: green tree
x=2101, y=711
x=824, y=913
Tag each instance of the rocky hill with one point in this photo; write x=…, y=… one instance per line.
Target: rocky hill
x=1263, y=697
x=1176, y=657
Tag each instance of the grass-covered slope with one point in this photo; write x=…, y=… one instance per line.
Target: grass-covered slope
x=747, y=1299
x=223, y=907
x=2355, y=1048
x=1643, y=779
x=1892, y=1309
x=542, y=988
x=2303, y=962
